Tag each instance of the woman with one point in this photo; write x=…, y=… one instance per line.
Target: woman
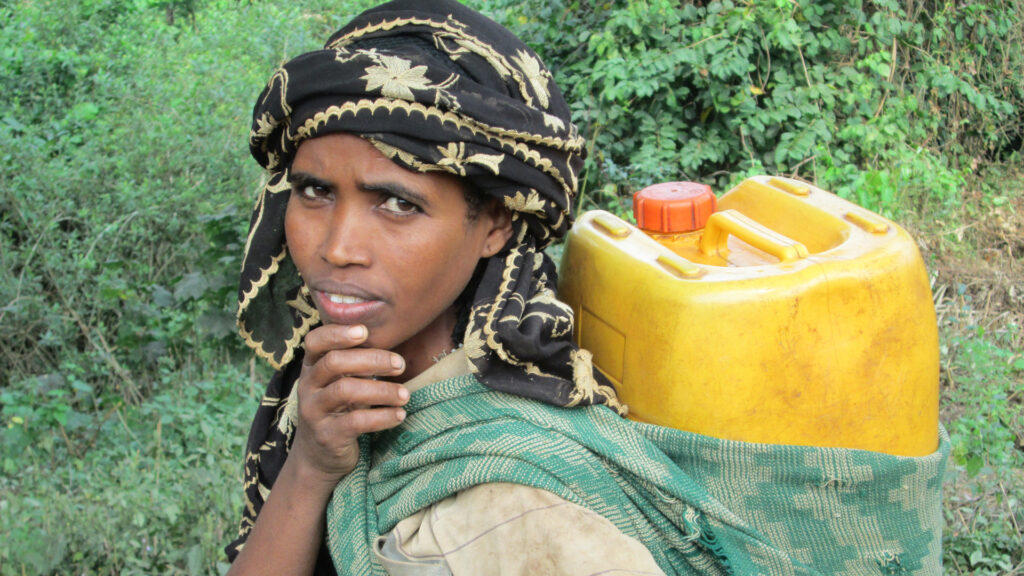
x=419, y=164
x=430, y=413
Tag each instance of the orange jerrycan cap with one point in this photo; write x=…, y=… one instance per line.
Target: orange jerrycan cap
x=673, y=207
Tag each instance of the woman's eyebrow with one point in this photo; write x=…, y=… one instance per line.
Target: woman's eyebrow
x=302, y=179
x=399, y=190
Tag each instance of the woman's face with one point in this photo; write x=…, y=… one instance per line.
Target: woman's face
x=383, y=246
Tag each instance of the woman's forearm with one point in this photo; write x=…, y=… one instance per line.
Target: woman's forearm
x=289, y=529
x=338, y=401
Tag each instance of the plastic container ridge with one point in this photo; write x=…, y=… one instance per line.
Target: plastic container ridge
x=791, y=317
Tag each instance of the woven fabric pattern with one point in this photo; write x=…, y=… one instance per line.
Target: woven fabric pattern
x=701, y=505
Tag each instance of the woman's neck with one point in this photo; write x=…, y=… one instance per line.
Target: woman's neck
x=428, y=346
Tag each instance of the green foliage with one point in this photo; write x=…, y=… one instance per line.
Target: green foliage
x=983, y=523
x=154, y=489
x=126, y=182
x=870, y=100
x=125, y=186
x=983, y=510
x=982, y=400
x=989, y=387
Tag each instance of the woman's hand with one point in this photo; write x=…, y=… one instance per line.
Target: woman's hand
x=339, y=400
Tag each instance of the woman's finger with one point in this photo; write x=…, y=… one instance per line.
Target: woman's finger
x=355, y=362
x=364, y=421
x=347, y=394
x=329, y=337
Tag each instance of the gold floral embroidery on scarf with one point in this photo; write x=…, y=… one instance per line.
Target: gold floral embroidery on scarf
x=536, y=74
x=271, y=187
x=553, y=122
x=474, y=345
x=265, y=126
x=516, y=142
x=530, y=204
x=586, y=386
x=393, y=152
x=288, y=416
x=281, y=77
x=454, y=155
x=303, y=302
x=394, y=77
x=530, y=73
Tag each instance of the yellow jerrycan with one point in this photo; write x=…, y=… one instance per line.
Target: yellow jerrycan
x=778, y=313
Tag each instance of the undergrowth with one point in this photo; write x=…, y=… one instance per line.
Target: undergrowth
x=147, y=489
x=984, y=403
x=983, y=410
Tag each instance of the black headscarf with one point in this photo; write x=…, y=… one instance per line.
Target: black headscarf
x=434, y=86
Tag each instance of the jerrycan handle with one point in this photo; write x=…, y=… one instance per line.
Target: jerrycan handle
x=731, y=222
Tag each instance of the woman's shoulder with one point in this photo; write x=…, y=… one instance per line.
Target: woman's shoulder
x=505, y=528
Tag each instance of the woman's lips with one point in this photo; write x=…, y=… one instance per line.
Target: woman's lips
x=346, y=308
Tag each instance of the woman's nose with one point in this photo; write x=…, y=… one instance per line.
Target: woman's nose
x=348, y=238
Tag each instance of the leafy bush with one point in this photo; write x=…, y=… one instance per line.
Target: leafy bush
x=990, y=389
x=125, y=187
x=986, y=389
x=866, y=99
x=146, y=490
x=127, y=183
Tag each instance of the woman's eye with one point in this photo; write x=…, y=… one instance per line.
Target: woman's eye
x=310, y=191
x=399, y=205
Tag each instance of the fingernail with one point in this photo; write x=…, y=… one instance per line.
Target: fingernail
x=400, y=414
x=403, y=393
x=397, y=361
x=356, y=332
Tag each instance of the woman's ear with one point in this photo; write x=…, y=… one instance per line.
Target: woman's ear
x=499, y=222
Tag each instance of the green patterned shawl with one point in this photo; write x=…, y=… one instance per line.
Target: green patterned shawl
x=701, y=505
